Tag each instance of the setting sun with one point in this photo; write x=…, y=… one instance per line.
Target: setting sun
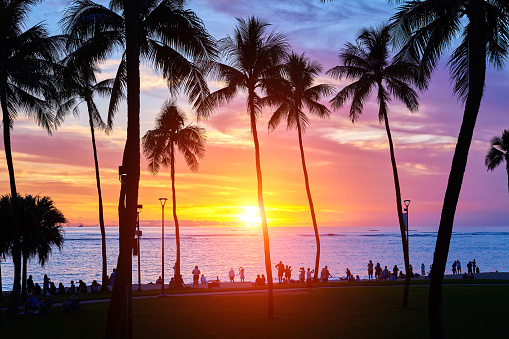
x=251, y=216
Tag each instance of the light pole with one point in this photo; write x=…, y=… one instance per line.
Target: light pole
x=407, y=203
x=138, y=232
x=163, y=202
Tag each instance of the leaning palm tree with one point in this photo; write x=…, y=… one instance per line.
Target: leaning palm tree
x=299, y=73
x=251, y=53
x=27, y=58
x=159, y=146
x=499, y=152
x=368, y=64
x=173, y=40
x=80, y=86
x=427, y=29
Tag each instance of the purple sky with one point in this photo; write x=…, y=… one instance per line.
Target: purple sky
x=349, y=163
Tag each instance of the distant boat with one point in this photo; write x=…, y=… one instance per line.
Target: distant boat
x=81, y=225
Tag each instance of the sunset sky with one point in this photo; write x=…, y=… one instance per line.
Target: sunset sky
x=349, y=165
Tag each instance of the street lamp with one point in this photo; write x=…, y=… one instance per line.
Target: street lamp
x=407, y=203
x=138, y=233
x=163, y=202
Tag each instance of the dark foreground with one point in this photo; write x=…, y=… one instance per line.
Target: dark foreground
x=470, y=311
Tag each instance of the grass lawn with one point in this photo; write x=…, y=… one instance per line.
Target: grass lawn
x=470, y=311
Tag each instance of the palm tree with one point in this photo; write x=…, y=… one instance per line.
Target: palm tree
x=40, y=224
x=300, y=73
x=81, y=86
x=27, y=58
x=167, y=36
x=250, y=54
x=368, y=63
x=426, y=29
x=499, y=152
x=159, y=148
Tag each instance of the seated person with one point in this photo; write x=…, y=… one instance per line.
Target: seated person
x=37, y=289
x=392, y=278
x=357, y=278
x=72, y=289
x=47, y=303
x=61, y=288
x=172, y=281
x=159, y=280
x=401, y=275
x=203, y=279
x=351, y=278
x=263, y=280
x=82, y=287
x=52, y=288
x=32, y=303
x=72, y=305
x=258, y=281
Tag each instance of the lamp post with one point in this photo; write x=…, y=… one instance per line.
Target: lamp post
x=407, y=203
x=163, y=202
x=138, y=232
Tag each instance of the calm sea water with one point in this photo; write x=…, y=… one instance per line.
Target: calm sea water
x=217, y=249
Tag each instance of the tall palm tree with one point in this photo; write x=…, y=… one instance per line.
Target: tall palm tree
x=499, y=152
x=300, y=73
x=159, y=147
x=27, y=58
x=427, y=29
x=251, y=53
x=81, y=86
x=368, y=64
x=173, y=40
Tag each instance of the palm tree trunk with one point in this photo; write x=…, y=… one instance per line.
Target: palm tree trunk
x=24, y=279
x=476, y=80
x=104, y=286
x=310, y=200
x=175, y=219
x=261, y=207
x=119, y=323
x=400, y=212
x=12, y=310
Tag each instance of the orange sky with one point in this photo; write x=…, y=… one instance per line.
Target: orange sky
x=349, y=165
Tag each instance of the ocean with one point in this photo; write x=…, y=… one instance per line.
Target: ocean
x=218, y=249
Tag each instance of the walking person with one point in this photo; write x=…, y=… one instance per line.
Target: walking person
x=288, y=273
x=458, y=266
x=241, y=274
x=370, y=270
x=469, y=267
x=231, y=274
x=309, y=278
x=196, y=277
x=378, y=271
x=395, y=271
x=348, y=274
x=280, y=271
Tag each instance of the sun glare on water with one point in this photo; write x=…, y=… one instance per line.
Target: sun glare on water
x=251, y=216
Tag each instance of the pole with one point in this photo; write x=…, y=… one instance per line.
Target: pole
x=162, y=251
x=138, y=245
x=163, y=202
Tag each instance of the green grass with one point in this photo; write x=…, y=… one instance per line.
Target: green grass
x=469, y=311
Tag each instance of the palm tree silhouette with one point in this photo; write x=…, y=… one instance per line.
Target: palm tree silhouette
x=27, y=60
x=299, y=73
x=498, y=152
x=81, y=86
x=174, y=41
x=368, y=63
x=426, y=29
x=41, y=228
x=159, y=146
x=250, y=54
